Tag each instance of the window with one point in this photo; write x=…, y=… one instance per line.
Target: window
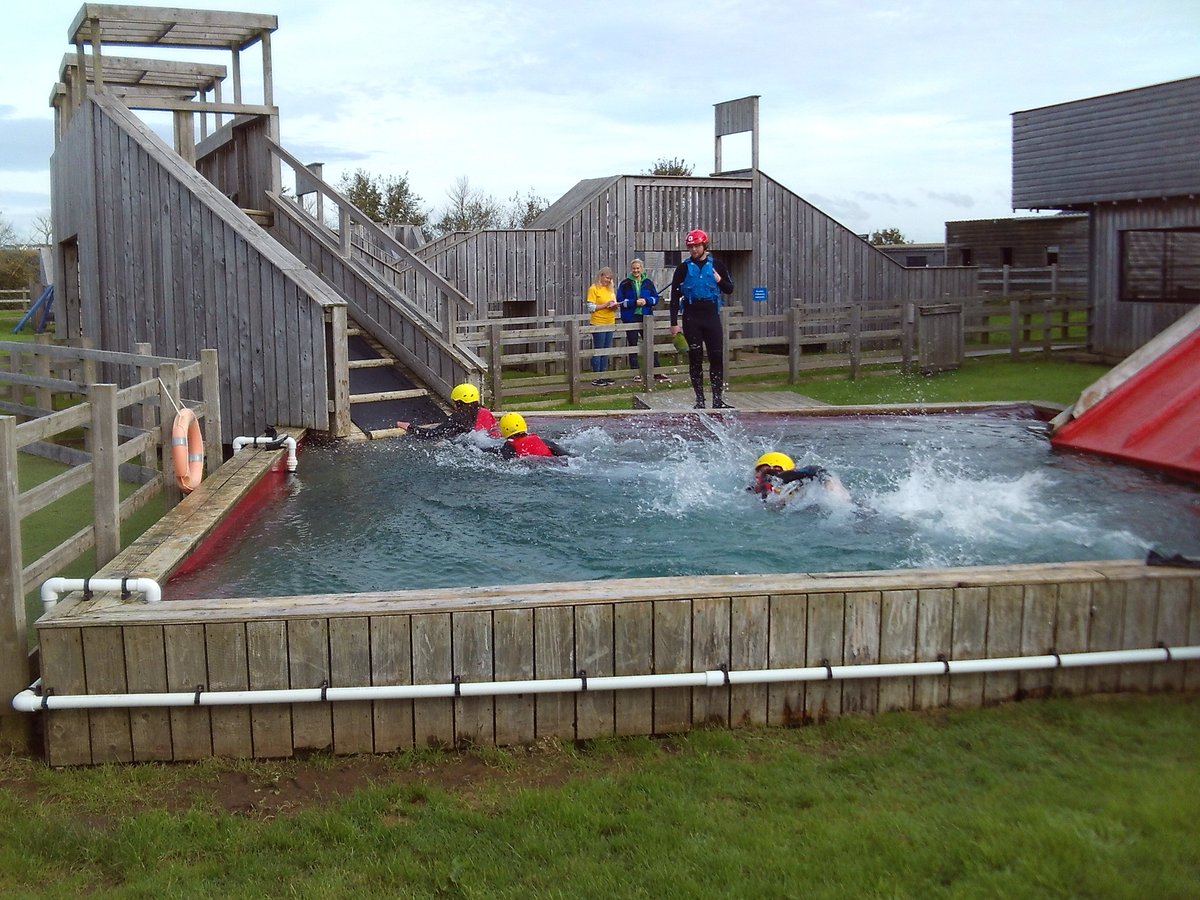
x=965, y=258
x=1160, y=266
x=916, y=262
x=1052, y=255
x=1006, y=256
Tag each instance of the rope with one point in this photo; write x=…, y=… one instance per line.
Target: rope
x=167, y=391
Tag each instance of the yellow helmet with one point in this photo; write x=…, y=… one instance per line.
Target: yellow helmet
x=512, y=423
x=465, y=393
x=776, y=460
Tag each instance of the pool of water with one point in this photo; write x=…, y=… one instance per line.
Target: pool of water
x=665, y=496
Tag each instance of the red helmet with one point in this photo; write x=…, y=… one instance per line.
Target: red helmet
x=697, y=237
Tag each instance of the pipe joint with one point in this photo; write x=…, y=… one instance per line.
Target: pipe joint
x=53, y=587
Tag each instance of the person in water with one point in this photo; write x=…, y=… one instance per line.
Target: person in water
x=518, y=442
x=469, y=415
x=773, y=471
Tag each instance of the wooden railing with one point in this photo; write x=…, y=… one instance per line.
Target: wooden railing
x=125, y=423
x=420, y=288
x=541, y=355
x=1040, y=280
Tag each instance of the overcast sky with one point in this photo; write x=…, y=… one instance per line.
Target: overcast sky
x=882, y=114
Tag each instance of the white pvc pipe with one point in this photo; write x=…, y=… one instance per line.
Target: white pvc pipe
x=287, y=440
x=30, y=700
x=52, y=587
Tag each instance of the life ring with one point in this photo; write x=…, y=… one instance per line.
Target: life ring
x=187, y=450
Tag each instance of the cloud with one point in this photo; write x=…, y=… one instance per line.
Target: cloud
x=951, y=198
x=28, y=142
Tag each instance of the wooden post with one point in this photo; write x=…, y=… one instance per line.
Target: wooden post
x=574, y=360
x=495, y=363
x=1047, y=324
x=105, y=486
x=647, y=360
x=1014, y=328
x=145, y=411
x=793, y=327
x=339, y=373
x=908, y=318
x=344, y=231
x=210, y=384
x=15, y=732
x=168, y=396
x=41, y=368
x=855, y=340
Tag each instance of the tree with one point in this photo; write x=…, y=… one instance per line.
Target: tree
x=42, y=231
x=18, y=263
x=468, y=209
x=886, y=237
x=664, y=166
x=521, y=211
x=389, y=200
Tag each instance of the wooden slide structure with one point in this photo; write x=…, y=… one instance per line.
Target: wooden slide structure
x=1146, y=410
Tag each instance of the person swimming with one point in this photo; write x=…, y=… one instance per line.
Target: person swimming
x=777, y=479
x=518, y=442
x=470, y=415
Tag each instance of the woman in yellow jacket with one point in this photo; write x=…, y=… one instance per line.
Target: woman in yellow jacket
x=602, y=304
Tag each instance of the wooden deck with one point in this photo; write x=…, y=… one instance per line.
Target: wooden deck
x=681, y=400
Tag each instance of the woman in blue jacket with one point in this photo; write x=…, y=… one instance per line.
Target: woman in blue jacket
x=637, y=296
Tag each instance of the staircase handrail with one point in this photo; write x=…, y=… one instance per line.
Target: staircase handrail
x=355, y=215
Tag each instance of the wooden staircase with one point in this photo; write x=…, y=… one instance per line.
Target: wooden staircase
x=382, y=390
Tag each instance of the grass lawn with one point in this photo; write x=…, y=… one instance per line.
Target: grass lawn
x=1083, y=797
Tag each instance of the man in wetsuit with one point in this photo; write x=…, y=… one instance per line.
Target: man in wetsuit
x=697, y=287
x=469, y=415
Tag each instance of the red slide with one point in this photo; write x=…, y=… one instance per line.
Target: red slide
x=1152, y=417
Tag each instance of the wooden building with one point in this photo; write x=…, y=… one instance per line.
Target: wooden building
x=1022, y=241
x=916, y=256
x=1129, y=161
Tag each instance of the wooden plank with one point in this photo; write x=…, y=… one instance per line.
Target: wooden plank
x=1037, y=636
x=229, y=670
x=146, y=673
x=270, y=724
x=68, y=735
x=554, y=657
x=826, y=643
x=864, y=614
x=935, y=640
x=514, y=662
x=350, y=666
x=1171, y=630
x=471, y=638
x=391, y=664
x=433, y=720
x=1141, y=616
x=749, y=649
x=787, y=647
x=1072, y=621
x=595, y=711
x=1005, y=620
x=1105, y=633
x=710, y=651
x=672, y=654
x=308, y=667
x=187, y=670
x=969, y=642
x=897, y=644
x=633, y=654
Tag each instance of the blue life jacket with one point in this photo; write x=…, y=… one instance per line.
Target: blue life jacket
x=701, y=284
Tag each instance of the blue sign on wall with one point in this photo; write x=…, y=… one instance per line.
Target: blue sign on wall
x=760, y=295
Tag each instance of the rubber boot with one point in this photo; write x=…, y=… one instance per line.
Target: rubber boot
x=719, y=401
x=699, y=402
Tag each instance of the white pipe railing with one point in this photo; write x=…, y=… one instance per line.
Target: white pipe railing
x=52, y=587
x=32, y=700
x=270, y=443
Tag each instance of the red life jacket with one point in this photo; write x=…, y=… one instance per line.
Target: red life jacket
x=485, y=421
x=530, y=445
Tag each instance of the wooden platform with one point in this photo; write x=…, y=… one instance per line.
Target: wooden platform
x=682, y=399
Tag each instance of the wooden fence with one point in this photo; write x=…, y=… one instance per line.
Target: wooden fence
x=588, y=629
x=125, y=424
x=552, y=355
